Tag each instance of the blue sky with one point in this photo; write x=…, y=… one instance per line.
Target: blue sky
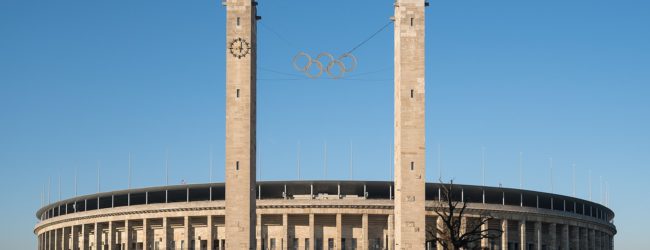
x=85, y=83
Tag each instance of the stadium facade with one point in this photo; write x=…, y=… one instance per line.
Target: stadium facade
x=243, y=213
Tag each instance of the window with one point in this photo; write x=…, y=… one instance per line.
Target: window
x=319, y=244
x=343, y=246
x=295, y=244
x=307, y=244
x=330, y=244
x=272, y=244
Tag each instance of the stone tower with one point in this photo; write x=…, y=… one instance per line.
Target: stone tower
x=240, y=123
x=409, y=125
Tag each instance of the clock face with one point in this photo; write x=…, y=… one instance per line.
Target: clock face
x=239, y=47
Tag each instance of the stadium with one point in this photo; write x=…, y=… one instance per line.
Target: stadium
x=311, y=215
x=243, y=213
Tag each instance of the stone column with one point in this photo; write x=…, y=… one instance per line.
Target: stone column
x=463, y=225
x=439, y=224
x=584, y=241
x=391, y=232
x=187, y=236
x=484, y=241
x=538, y=235
x=57, y=240
x=211, y=233
x=98, y=236
x=312, y=231
x=83, y=243
x=66, y=237
x=592, y=238
x=258, y=232
x=522, y=234
x=364, y=226
x=111, y=236
x=165, y=241
x=128, y=232
x=574, y=237
x=504, y=234
x=565, y=237
x=145, y=233
x=285, y=231
x=50, y=240
x=74, y=235
x=552, y=229
x=339, y=232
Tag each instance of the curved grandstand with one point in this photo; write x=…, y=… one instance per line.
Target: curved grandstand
x=311, y=215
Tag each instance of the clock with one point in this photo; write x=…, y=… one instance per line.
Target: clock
x=239, y=47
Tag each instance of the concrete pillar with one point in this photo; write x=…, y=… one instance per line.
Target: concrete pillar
x=538, y=235
x=210, y=226
x=312, y=231
x=504, y=234
x=339, y=232
x=391, y=232
x=165, y=233
x=522, y=234
x=146, y=243
x=364, y=226
x=552, y=231
x=285, y=232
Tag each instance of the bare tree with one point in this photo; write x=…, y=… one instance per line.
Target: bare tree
x=457, y=230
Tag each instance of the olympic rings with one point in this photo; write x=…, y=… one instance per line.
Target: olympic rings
x=330, y=64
